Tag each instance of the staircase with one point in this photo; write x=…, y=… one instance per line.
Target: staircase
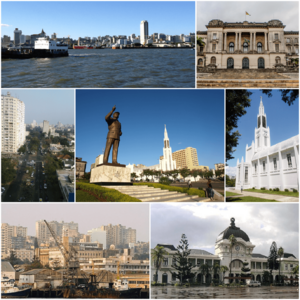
x=151, y=194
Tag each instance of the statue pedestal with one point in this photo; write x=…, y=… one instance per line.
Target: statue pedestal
x=111, y=174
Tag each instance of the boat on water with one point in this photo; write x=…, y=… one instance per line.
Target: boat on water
x=121, y=285
x=10, y=290
x=83, y=47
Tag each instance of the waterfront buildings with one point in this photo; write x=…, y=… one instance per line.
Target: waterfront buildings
x=13, y=123
x=247, y=45
x=267, y=166
x=17, y=37
x=144, y=32
x=242, y=252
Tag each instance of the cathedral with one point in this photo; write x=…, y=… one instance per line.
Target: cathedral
x=267, y=166
x=242, y=252
x=166, y=163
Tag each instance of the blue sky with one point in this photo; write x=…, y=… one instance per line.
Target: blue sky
x=93, y=19
x=194, y=118
x=282, y=119
x=42, y=104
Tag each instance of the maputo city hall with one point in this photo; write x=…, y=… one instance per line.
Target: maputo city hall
x=247, y=45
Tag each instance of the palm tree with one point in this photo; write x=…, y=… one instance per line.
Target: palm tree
x=157, y=256
x=223, y=269
x=280, y=253
x=216, y=269
x=200, y=41
x=205, y=269
x=232, y=241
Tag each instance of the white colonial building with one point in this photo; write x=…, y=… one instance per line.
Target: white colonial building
x=247, y=45
x=267, y=166
x=242, y=252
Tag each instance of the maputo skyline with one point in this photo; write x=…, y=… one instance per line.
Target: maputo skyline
x=47, y=104
x=87, y=216
x=162, y=17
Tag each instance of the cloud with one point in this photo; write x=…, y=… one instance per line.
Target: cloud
x=5, y=25
x=179, y=143
x=230, y=171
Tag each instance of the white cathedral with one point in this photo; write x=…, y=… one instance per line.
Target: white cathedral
x=267, y=166
x=167, y=163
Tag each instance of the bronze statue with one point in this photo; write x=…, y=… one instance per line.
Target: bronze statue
x=113, y=136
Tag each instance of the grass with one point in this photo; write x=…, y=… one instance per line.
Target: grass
x=82, y=196
x=248, y=199
x=291, y=194
x=231, y=194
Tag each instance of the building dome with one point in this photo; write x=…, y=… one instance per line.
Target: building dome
x=236, y=231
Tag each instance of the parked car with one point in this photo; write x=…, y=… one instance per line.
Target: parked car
x=45, y=186
x=254, y=283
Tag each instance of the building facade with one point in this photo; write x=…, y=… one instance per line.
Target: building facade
x=144, y=32
x=242, y=252
x=166, y=162
x=247, y=45
x=13, y=123
x=267, y=166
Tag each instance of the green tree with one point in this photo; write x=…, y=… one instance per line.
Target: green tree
x=175, y=174
x=22, y=149
x=208, y=174
x=288, y=96
x=245, y=271
x=133, y=175
x=184, y=172
x=200, y=41
x=230, y=182
x=34, y=265
x=232, y=243
x=194, y=173
x=223, y=269
x=266, y=277
x=158, y=174
x=12, y=258
x=181, y=262
x=147, y=173
x=157, y=255
x=280, y=254
x=236, y=102
x=205, y=270
x=296, y=270
x=273, y=263
x=216, y=270
x=8, y=172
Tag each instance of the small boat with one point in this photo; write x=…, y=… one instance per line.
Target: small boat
x=9, y=290
x=121, y=285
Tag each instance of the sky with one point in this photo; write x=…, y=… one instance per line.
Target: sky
x=194, y=118
x=95, y=18
x=53, y=105
x=202, y=223
x=88, y=216
x=260, y=11
x=282, y=119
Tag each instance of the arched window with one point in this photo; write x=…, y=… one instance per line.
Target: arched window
x=213, y=60
x=245, y=45
x=200, y=62
x=277, y=60
x=231, y=47
x=259, y=47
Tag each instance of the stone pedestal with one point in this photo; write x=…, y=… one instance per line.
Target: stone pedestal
x=110, y=174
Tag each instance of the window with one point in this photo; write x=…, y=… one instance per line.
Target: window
x=258, y=141
x=276, y=47
x=275, y=164
x=214, y=47
x=296, y=40
x=165, y=262
x=288, y=40
x=200, y=62
x=276, y=36
x=264, y=166
x=296, y=50
x=277, y=60
x=289, y=160
x=231, y=47
x=258, y=122
x=259, y=47
x=255, y=168
x=213, y=60
x=245, y=45
x=214, y=36
x=265, y=141
x=246, y=174
x=264, y=121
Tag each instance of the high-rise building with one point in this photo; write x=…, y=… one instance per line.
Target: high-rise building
x=144, y=32
x=17, y=37
x=166, y=163
x=187, y=158
x=46, y=127
x=13, y=123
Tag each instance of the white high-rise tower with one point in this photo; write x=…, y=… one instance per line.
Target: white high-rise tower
x=144, y=32
x=167, y=163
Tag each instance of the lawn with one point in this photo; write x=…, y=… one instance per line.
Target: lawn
x=290, y=194
x=82, y=196
x=248, y=199
x=231, y=194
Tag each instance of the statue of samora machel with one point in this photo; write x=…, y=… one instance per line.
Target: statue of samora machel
x=113, y=136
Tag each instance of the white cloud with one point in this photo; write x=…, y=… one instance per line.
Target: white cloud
x=230, y=171
x=5, y=25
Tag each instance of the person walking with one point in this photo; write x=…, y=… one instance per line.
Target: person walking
x=209, y=190
x=189, y=183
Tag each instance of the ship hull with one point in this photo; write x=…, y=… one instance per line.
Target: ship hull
x=20, y=294
x=34, y=54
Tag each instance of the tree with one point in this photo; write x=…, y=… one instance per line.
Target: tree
x=287, y=96
x=280, y=254
x=216, y=270
x=174, y=174
x=205, y=269
x=8, y=172
x=245, y=271
x=133, y=175
x=200, y=41
x=12, y=258
x=194, y=173
x=147, y=173
x=184, y=172
x=34, y=265
x=236, y=102
x=22, y=149
x=208, y=174
x=296, y=270
x=232, y=241
x=87, y=175
x=266, y=277
x=273, y=263
x=157, y=256
x=223, y=269
x=181, y=261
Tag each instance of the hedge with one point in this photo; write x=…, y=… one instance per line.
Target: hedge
x=186, y=190
x=109, y=195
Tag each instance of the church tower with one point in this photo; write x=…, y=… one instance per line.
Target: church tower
x=262, y=138
x=167, y=163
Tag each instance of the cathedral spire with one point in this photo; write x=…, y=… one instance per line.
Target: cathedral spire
x=166, y=133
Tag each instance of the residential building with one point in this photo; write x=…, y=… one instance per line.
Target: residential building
x=13, y=123
x=267, y=166
x=144, y=32
x=17, y=37
x=46, y=127
x=247, y=45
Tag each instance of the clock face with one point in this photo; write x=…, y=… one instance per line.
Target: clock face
x=237, y=248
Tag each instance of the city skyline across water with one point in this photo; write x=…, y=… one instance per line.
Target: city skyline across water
x=129, y=215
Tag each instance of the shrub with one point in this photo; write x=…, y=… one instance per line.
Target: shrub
x=200, y=188
x=164, y=180
x=270, y=189
x=110, y=195
x=276, y=190
x=177, y=284
x=286, y=190
x=263, y=189
x=253, y=188
x=295, y=191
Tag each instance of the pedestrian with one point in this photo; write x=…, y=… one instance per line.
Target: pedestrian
x=209, y=190
x=189, y=183
x=241, y=189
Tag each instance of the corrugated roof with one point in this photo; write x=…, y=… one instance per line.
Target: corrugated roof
x=258, y=255
x=171, y=247
x=287, y=255
x=200, y=252
x=33, y=272
x=7, y=267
